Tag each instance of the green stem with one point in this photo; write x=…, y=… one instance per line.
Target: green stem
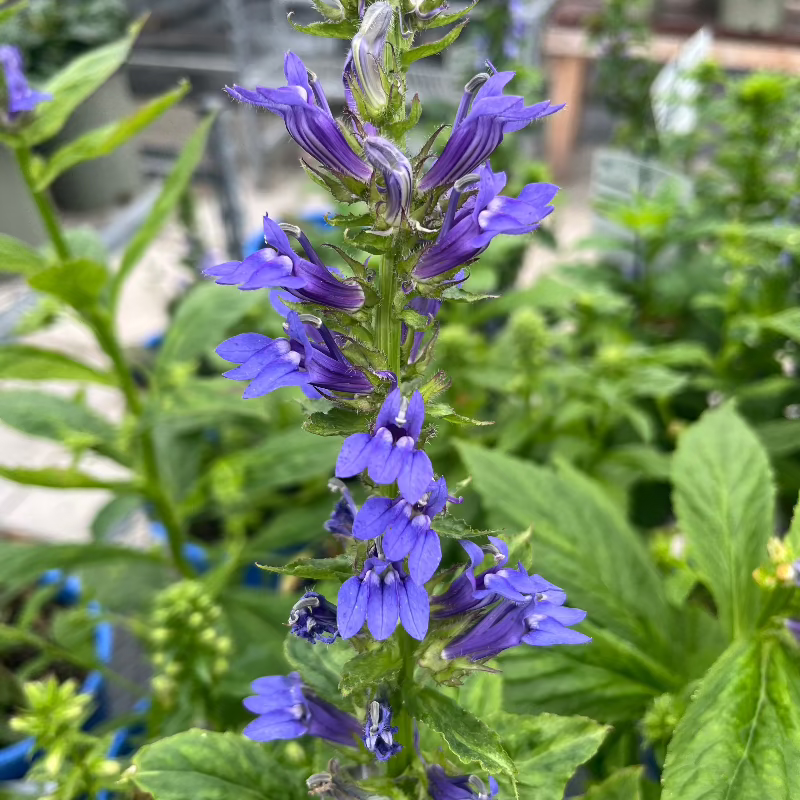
x=44, y=205
x=403, y=717
x=388, y=325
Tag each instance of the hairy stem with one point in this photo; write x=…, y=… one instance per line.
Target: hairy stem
x=404, y=720
x=388, y=325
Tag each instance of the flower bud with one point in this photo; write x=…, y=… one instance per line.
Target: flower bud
x=367, y=52
x=396, y=171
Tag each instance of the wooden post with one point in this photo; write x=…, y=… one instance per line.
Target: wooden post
x=567, y=80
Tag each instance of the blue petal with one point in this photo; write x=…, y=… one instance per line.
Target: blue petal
x=379, y=452
x=374, y=517
x=415, y=475
x=400, y=535
x=425, y=557
x=415, y=609
x=389, y=409
x=239, y=348
x=415, y=416
x=268, y=729
x=352, y=607
x=383, y=609
x=354, y=455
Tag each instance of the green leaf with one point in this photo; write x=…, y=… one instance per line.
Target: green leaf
x=780, y=437
x=459, y=295
x=469, y=739
x=740, y=737
x=445, y=19
x=174, y=187
x=433, y=48
x=625, y=784
x=371, y=669
x=367, y=241
x=202, y=321
x=455, y=528
x=787, y=323
x=55, y=478
x=793, y=537
x=21, y=362
x=19, y=258
x=446, y=413
x=53, y=417
x=316, y=569
x=319, y=665
x=336, y=422
x=78, y=283
x=328, y=30
x=10, y=9
x=482, y=694
x=73, y=84
x=398, y=129
x=548, y=749
x=105, y=140
x=113, y=514
x=205, y=765
x=724, y=498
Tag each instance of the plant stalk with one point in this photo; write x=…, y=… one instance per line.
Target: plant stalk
x=404, y=718
x=388, y=326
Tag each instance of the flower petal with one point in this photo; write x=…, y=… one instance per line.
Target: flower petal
x=354, y=455
x=400, y=535
x=352, y=606
x=383, y=609
x=425, y=556
x=415, y=609
x=374, y=517
x=415, y=475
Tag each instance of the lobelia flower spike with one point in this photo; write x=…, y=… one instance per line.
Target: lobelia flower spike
x=396, y=171
x=364, y=66
x=279, y=267
x=406, y=529
x=390, y=453
x=467, y=231
x=20, y=96
x=308, y=118
x=299, y=360
x=379, y=733
x=381, y=595
x=442, y=786
x=313, y=618
x=288, y=710
x=484, y=116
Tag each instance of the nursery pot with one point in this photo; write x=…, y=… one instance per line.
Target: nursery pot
x=18, y=214
x=106, y=181
x=16, y=759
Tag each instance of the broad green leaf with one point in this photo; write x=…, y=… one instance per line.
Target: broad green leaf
x=202, y=321
x=114, y=514
x=547, y=749
x=581, y=541
x=79, y=283
x=786, y=323
x=53, y=417
x=470, y=740
x=105, y=140
x=433, y=48
x=482, y=694
x=19, y=258
x=740, y=737
x=724, y=498
x=316, y=569
x=445, y=19
x=73, y=84
x=336, y=422
x=455, y=528
x=371, y=670
x=55, y=478
x=205, y=765
x=174, y=187
x=328, y=30
x=625, y=784
x=319, y=665
x=21, y=362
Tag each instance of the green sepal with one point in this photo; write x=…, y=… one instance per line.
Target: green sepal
x=374, y=668
x=446, y=19
x=433, y=48
x=343, y=220
x=445, y=412
x=326, y=180
x=415, y=320
x=358, y=268
x=328, y=30
x=455, y=528
x=397, y=130
x=336, y=422
x=370, y=242
x=315, y=569
x=439, y=383
x=420, y=157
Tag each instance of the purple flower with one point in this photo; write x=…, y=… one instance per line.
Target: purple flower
x=279, y=267
x=287, y=710
x=308, y=118
x=365, y=62
x=389, y=454
x=442, y=786
x=298, y=360
x=460, y=597
x=381, y=595
x=396, y=171
x=21, y=97
x=428, y=307
x=484, y=116
x=379, y=733
x=530, y=611
x=406, y=529
x=314, y=618
x=344, y=513
x=467, y=231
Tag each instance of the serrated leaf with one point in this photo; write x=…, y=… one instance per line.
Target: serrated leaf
x=336, y=422
x=315, y=569
x=328, y=30
x=105, y=140
x=455, y=528
x=399, y=129
x=320, y=665
x=79, y=283
x=206, y=765
x=370, y=670
x=548, y=749
x=740, y=737
x=19, y=258
x=482, y=694
x=22, y=362
x=445, y=412
x=625, y=784
x=724, y=498
x=55, y=478
x=327, y=181
x=432, y=48
x=446, y=19
x=469, y=739
x=369, y=242
x=357, y=267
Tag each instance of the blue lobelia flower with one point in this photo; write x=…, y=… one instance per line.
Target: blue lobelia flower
x=313, y=618
x=344, y=512
x=467, y=231
x=396, y=171
x=530, y=611
x=442, y=786
x=20, y=96
x=390, y=453
x=484, y=116
x=364, y=66
x=287, y=710
x=379, y=733
x=406, y=529
x=460, y=597
x=381, y=595
x=279, y=267
x=298, y=360
x=308, y=118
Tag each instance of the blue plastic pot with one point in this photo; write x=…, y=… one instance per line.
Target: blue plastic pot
x=16, y=759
